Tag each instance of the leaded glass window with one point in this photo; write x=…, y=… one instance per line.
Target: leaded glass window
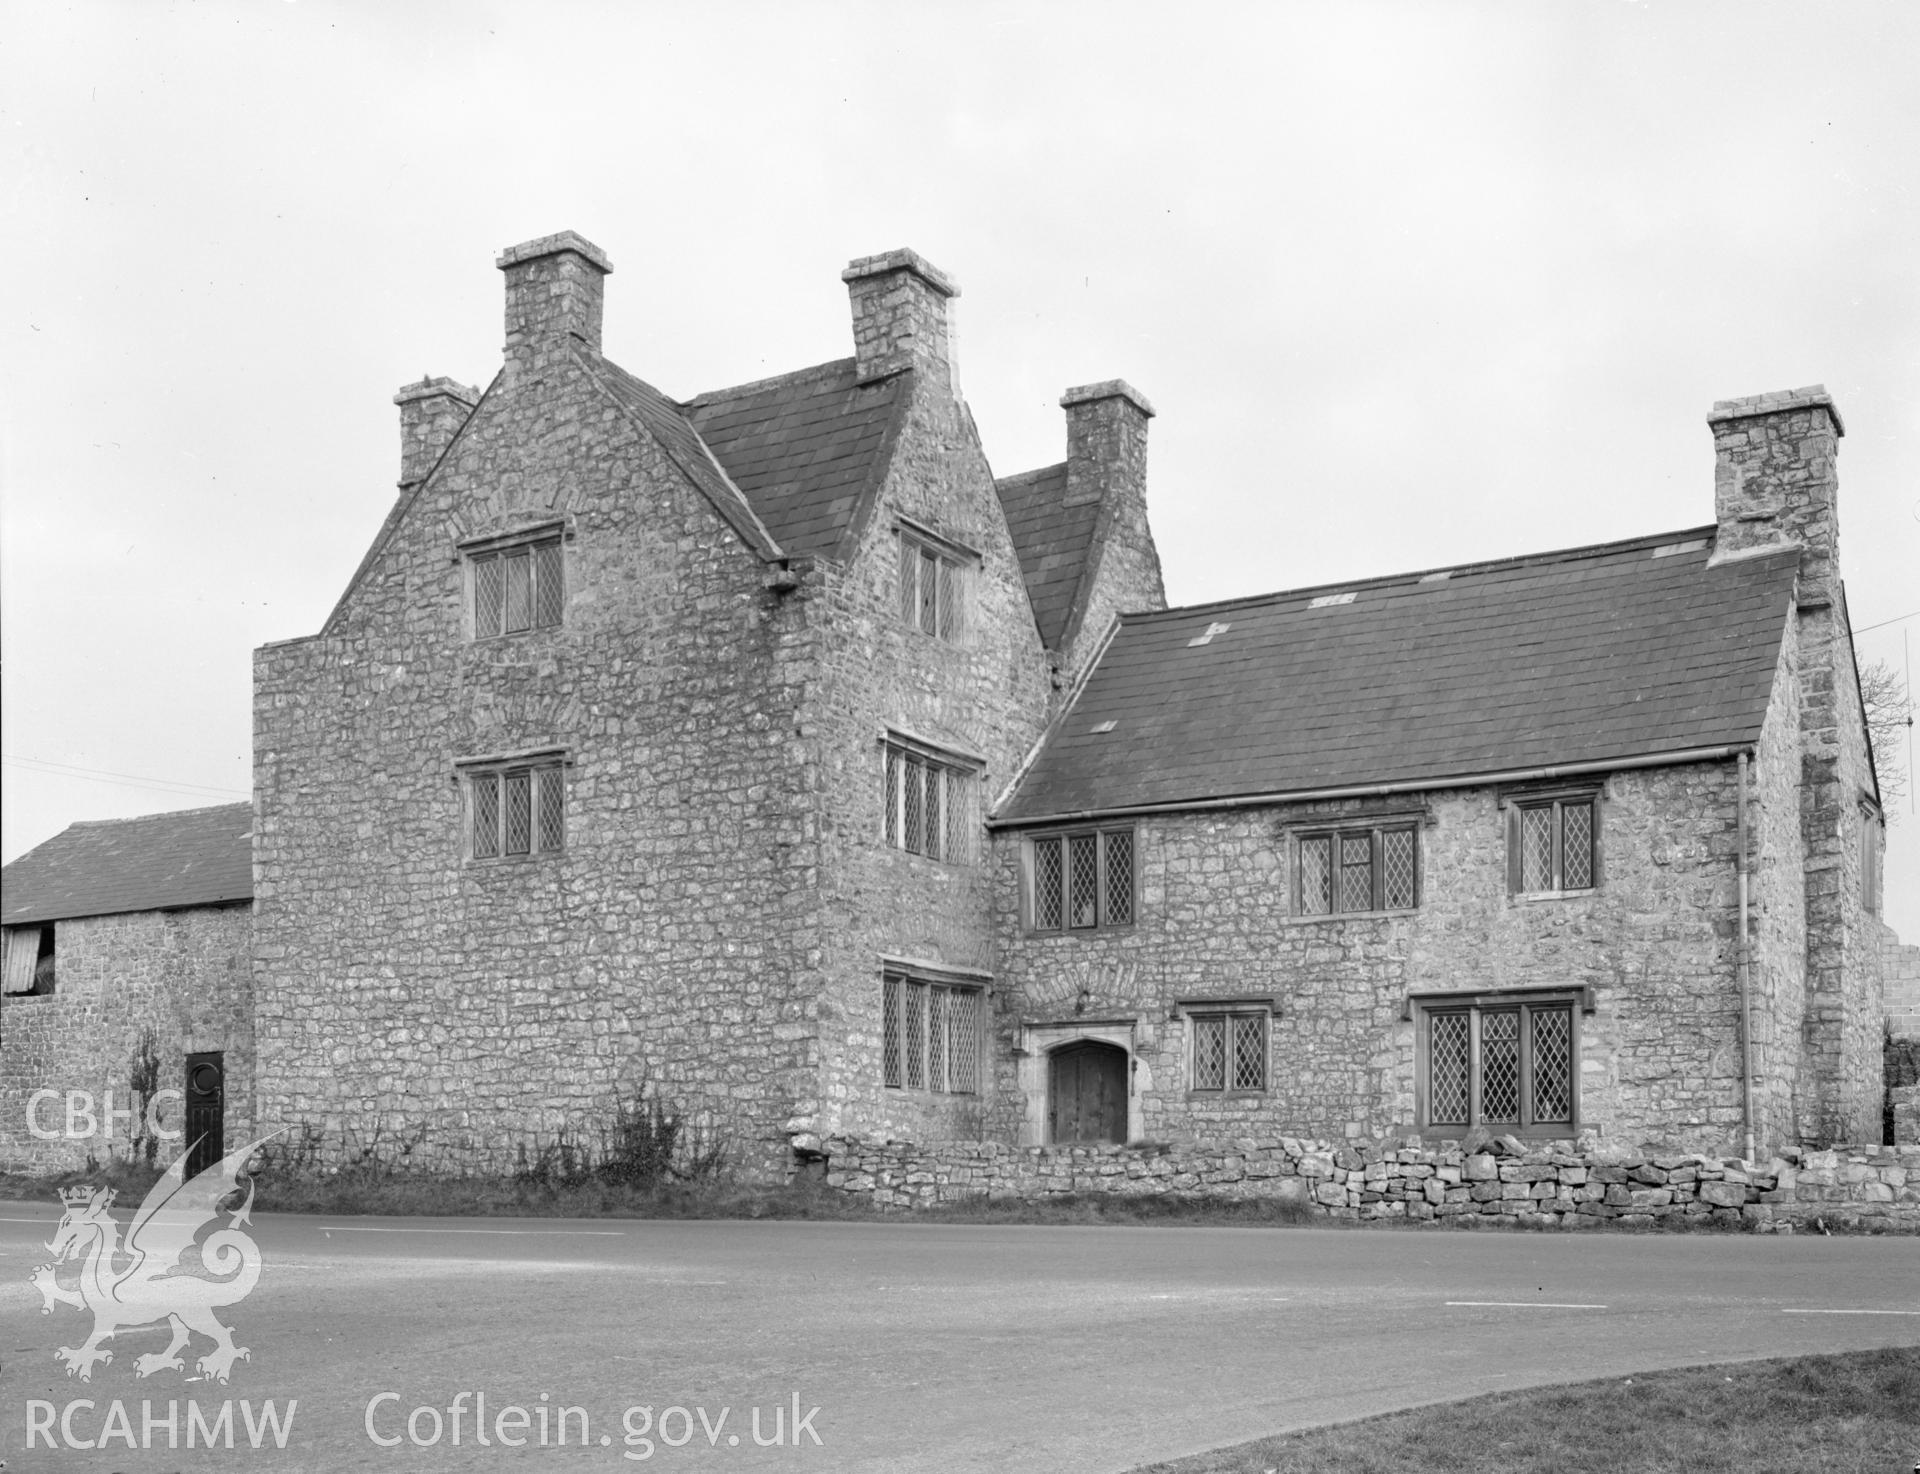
x=1554, y=845
x=934, y=589
x=1374, y=868
x=516, y=810
x=518, y=587
x=930, y=1035
x=1508, y=1065
x=1229, y=1051
x=1082, y=882
x=930, y=806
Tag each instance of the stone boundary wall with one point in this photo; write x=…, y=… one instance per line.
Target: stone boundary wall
x=1535, y=1185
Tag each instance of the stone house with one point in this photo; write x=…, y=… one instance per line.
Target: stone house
x=765, y=750
x=1469, y=847
x=652, y=736
x=125, y=1011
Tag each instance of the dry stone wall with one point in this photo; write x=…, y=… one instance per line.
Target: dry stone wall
x=1533, y=1185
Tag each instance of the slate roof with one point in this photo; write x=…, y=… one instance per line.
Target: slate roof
x=806, y=448
x=1052, y=540
x=1594, y=654
x=193, y=857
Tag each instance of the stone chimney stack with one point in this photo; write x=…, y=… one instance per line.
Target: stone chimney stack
x=1775, y=486
x=431, y=414
x=556, y=290
x=900, y=316
x=1107, y=471
x=1775, y=482
x=1106, y=442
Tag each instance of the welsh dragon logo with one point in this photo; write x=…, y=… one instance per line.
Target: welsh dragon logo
x=164, y=1271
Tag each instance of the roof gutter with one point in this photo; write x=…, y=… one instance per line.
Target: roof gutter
x=1375, y=790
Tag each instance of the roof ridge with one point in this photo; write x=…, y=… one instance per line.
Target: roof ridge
x=1021, y=478
x=239, y=803
x=758, y=386
x=1485, y=565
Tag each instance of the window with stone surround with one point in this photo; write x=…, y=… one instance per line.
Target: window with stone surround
x=1083, y=880
x=930, y=1034
x=1373, y=866
x=516, y=807
x=1553, y=842
x=930, y=801
x=515, y=583
x=1228, y=1053
x=936, y=576
x=1508, y=1061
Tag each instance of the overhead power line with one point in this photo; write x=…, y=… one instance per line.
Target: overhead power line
x=129, y=780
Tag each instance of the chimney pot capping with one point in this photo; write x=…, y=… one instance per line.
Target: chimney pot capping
x=1108, y=389
x=1779, y=402
x=552, y=245
x=429, y=387
x=902, y=260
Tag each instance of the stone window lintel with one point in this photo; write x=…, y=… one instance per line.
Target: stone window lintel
x=1581, y=993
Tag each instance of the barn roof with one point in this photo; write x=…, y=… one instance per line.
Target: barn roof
x=192, y=857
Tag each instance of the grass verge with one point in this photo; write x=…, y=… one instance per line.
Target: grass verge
x=1854, y=1412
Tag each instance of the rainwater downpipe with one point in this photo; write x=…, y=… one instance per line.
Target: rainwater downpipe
x=1746, y=971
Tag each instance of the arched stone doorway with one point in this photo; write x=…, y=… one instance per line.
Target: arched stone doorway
x=1087, y=1094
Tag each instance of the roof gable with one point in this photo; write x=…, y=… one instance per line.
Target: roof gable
x=661, y=418
x=1053, y=541
x=1588, y=655
x=807, y=448
x=192, y=857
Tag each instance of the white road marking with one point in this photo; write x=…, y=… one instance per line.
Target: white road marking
x=1524, y=1305
x=1841, y=1310
x=603, y=1233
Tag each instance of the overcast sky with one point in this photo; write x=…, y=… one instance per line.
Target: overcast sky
x=1410, y=284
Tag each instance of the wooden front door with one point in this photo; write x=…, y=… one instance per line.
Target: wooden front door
x=206, y=1111
x=1087, y=1094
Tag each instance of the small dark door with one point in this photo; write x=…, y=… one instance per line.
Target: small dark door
x=1087, y=1094
x=206, y=1111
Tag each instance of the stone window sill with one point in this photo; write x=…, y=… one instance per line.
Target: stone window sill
x=1528, y=898
x=1200, y=1095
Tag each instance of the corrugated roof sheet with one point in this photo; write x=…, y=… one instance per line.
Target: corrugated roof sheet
x=193, y=857
x=1052, y=540
x=805, y=448
x=1589, y=655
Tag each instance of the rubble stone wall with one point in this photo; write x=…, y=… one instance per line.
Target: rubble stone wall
x=1900, y=968
x=174, y=982
x=1532, y=1185
x=1654, y=943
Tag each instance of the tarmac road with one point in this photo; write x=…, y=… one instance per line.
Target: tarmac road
x=925, y=1347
